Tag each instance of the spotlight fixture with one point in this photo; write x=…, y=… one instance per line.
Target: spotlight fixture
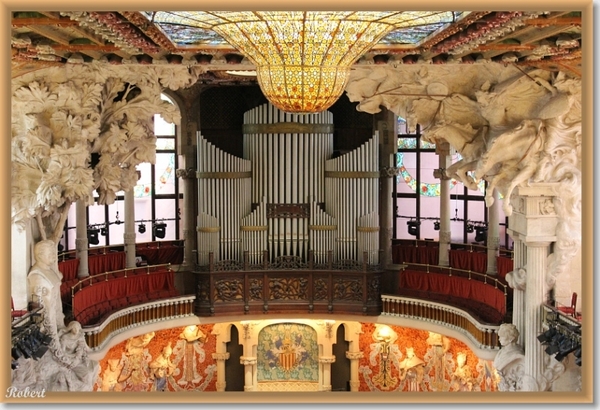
x=470, y=228
x=413, y=227
x=480, y=233
x=142, y=228
x=547, y=335
x=436, y=226
x=160, y=229
x=92, y=234
x=103, y=231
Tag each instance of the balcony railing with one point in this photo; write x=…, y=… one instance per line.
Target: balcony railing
x=483, y=336
x=137, y=316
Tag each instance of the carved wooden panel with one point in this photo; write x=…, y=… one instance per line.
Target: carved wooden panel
x=288, y=288
x=288, y=210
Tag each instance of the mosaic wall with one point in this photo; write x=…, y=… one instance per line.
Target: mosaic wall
x=168, y=360
x=287, y=352
x=419, y=360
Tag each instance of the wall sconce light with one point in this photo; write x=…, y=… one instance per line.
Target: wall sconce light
x=142, y=228
x=436, y=225
x=160, y=229
x=413, y=227
x=92, y=234
x=480, y=234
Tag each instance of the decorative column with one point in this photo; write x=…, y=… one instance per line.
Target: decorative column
x=249, y=363
x=442, y=149
x=534, y=221
x=325, y=362
x=493, y=239
x=220, y=358
x=129, y=234
x=189, y=223
x=81, y=240
x=386, y=124
x=516, y=280
x=354, y=358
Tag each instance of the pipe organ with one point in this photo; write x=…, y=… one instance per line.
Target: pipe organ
x=288, y=196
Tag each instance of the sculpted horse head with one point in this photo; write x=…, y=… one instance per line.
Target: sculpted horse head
x=511, y=158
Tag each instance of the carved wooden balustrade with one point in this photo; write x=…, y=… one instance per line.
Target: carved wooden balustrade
x=288, y=285
x=136, y=316
x=483, y=336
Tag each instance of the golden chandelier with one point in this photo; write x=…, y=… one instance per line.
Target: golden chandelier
x=303, y=58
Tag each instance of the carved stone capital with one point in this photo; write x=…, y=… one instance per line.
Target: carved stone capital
x=389, y=172
x=187, y=173
x=440, y=174
x=81, y=244
x=354, y=355
x=129, y=237
x=445, y=236
x=247, y=361
x=220, y=356
x=326, y=359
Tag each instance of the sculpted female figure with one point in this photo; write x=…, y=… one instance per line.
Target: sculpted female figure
x=44, y=281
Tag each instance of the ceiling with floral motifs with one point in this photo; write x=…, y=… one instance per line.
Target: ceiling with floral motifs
x=537, y=39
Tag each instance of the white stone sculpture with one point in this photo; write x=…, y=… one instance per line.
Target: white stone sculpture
x=44, y=281
x=63, y=117
x=509, y=361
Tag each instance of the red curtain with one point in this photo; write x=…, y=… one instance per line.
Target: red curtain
x=467, y=260
x=455, y=286
x=504, y=265
x=161, y=255
x=69, y=269
x=122, y=287
x=416, y=254
x=106, y=262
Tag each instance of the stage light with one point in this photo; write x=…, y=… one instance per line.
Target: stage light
x=413, y=227
x=142, y=228
x=92, y=234
x=160, y=229
x=481, y=234
x=547, y=335
x=103, y=231
x=436, y=226
x=470, y=228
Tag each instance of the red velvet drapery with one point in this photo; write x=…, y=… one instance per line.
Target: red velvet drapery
x=119, y=288
x=106, y=262
x=455, y=286
x=416, y=254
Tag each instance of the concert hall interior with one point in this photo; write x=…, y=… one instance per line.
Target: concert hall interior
x=340, y=201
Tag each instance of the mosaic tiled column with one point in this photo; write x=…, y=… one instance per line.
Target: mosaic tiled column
x=386, y=125
x=354, y=358
x=189, y=222
x=220, y=358
x=533, y=222
x=493, y=239
x=325, y=362
x=443, y=151
x=81, y=240
x=249, y=364
x=129, y=235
